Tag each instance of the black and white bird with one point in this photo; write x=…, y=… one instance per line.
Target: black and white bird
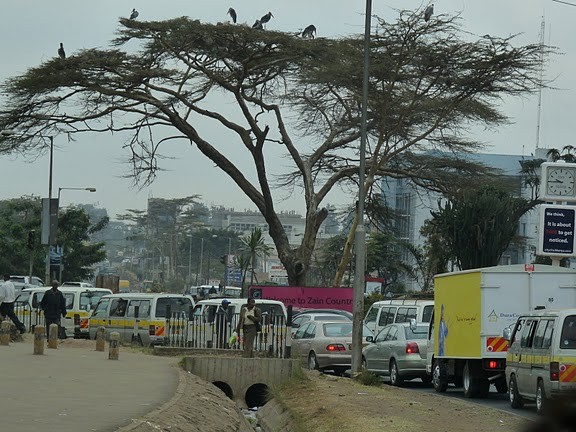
x=428, y=12
x=232, y=14
x=61, y=52
x=134, y=14
x=258, y=25
x=309, y=32
x=266, y=18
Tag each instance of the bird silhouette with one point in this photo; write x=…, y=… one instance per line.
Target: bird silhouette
x=61, y=52
x=266, y=18
x=258, y=25
x=232, y=14
x=309, y=32
x=134, y=14
x=428, y=13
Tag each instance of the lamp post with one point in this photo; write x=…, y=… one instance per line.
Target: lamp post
x=360, y=237
x=89, y=189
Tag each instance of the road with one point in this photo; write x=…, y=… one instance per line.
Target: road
x=494, y=399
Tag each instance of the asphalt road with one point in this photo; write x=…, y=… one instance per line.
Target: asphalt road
x=494, y=399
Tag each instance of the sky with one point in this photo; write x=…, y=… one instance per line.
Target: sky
x=30, y=37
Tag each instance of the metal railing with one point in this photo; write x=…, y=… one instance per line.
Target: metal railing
x=190, y=331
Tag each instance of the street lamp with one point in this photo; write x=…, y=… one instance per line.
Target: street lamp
x=360, y=236
x=89, y=189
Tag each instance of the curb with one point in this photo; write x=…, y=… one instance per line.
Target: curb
x=149, y=418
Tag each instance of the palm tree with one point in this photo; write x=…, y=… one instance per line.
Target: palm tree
x=254, y=247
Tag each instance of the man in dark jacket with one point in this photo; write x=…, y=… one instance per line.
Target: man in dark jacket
x=54, y=306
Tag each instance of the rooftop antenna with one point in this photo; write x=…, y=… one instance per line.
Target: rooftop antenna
x=540, y=79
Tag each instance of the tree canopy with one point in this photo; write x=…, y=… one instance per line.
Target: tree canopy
x=429, y=82
x=20, y=216
x=474, y=229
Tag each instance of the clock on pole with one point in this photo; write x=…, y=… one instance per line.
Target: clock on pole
x=558, y=181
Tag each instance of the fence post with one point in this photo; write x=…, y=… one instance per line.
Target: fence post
x=288, y=351
x=5, y=329
x=114, y=346
x=39, y=340
x=190, y=328
x=136, y=339
x=100, y=338
x=53, y=336
x=167, y=327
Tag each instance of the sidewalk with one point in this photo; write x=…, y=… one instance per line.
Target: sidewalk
x=77, y=388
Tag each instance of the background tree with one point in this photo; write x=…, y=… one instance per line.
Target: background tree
x=429, y=83
x=21, y=215
x=253, y=247
x=79, y=254
x=478, y=226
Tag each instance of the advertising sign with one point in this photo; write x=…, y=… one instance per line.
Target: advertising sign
x=557, y=230
x=307, y=297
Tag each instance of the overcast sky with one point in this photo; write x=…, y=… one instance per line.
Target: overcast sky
x=31, y=31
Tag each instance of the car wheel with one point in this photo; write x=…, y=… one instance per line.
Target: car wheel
x=312, y=361
x=541, y=401
x=474, y=385
x=515, y=398
x=439, y=379
x=395, y=377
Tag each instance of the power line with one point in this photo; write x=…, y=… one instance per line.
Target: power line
x=564, y=2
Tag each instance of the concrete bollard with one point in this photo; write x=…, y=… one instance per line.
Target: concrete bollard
x=5, y=329
x=100, y=338
x=53, y=336
x=39, y=340
x=114, y=346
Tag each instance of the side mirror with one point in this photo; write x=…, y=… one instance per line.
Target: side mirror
x=412, y=324
x=369, y=338
x=507, y=333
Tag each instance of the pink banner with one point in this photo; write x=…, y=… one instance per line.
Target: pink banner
x=307, y=297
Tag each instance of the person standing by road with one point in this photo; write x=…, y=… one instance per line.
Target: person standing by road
x=54, y=306
x=223, y=321
x=7, y=299
x=250, y=323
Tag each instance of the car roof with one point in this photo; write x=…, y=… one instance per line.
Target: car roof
x=324, y=311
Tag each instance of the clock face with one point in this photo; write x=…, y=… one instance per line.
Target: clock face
x=560, y=181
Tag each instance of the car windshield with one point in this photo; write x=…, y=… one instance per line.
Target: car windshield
x=343, y=330
x=420, y=332
x=330, y=318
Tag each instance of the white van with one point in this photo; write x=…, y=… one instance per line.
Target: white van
x=384, y=312
x=117, y=313
x=79, y=303
x=541, y=358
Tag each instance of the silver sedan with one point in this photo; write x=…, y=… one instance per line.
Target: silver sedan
x=325, y=345
x=398, y=351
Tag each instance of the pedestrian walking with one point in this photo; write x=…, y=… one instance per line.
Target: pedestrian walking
x=7, y=299
x=54, y=306
x=251, y=323
x=223, y=322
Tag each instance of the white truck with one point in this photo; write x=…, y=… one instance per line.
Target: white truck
x=471, y=309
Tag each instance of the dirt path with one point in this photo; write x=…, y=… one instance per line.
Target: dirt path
x=326, y=403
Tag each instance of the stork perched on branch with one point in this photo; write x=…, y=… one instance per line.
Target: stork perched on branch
x=309, y=32
x=232, y=14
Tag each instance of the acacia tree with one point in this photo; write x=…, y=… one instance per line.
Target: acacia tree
x=300, y=96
